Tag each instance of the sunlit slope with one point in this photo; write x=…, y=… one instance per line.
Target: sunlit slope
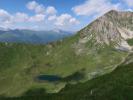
x=117, y=85
x=93, y=51
x=21, y=63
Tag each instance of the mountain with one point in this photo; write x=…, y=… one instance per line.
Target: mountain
x=112, y=29
x=97, y=49
x=116, y=85
x=3, y=29
x=29, y=36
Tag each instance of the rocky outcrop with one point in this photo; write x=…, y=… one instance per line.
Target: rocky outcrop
x=111, y=29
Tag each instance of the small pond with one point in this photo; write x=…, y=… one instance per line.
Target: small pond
x=49, y=78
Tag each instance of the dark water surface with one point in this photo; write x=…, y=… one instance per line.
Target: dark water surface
x=50, y=78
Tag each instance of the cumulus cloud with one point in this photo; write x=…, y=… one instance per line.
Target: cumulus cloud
x=38, y=8
x=66, y=19
x=94, y=7
x=5, y=18
x=63, y=20
x=37, y=18
x=4, y=15
x=43, y=17
x=51, y=10
x=20, y=17
x=129, y=3
x=131, y=10
x=32, y=5
x=52, y=18
x=8, y=20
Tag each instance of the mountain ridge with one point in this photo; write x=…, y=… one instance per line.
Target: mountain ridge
x=107, y=30
x=86, y=53
x=30, y=36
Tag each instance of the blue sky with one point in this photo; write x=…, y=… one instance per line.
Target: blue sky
x=71, y=15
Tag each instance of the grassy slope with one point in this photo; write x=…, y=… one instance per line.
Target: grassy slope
x=21, y=63
x=118, y=85
x=130, y=42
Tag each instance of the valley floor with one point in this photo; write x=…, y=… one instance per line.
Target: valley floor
x=117, y=85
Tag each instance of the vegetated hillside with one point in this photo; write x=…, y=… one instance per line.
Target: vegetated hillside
x=95, y=50
x=34, y=37
x=130, y=41
x=117, y=85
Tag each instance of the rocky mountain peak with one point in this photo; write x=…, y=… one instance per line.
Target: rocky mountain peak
x=112, y=29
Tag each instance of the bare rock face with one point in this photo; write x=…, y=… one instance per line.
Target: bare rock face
x=111, y=29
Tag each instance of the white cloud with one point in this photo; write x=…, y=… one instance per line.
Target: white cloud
x=50, y=13
x=8, y=20
x=66, y=19
x=51, y=10
x=52, y=18
x=74, y=21
x=20, y=17
x=43, y=18
x=4, y=15
x=131, y=10
x=5, y=19
x=129, y=2
x=94, y=7
x=37, y=18
x=63, y=20
x=38, y=8
x=32, y=5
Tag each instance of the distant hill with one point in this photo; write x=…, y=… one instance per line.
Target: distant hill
x=29, y=36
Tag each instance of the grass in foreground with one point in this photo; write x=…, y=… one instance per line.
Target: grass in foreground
x=117, y=85
x=20, y=64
